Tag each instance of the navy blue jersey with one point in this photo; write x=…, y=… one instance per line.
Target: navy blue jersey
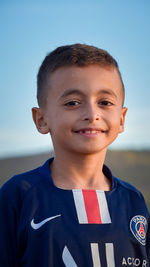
x=42, y=225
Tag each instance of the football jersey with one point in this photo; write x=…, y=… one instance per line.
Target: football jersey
x=42, y=225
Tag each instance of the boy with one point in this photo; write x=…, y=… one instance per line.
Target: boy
x=72, y=211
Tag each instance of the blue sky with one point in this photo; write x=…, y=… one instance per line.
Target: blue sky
x=31, y=29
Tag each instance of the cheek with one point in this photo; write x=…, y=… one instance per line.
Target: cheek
x=60, y=124
x=114, y=120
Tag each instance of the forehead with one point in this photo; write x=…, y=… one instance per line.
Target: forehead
x=89, y=80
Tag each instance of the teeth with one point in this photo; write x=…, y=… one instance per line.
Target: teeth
x=89, y=132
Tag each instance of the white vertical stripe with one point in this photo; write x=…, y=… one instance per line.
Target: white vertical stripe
x=105, y=216
x=110, y=255
x=95, y=255
x=80, y=206
x=67, y=258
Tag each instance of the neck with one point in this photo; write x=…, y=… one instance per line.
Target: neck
x=79, y=171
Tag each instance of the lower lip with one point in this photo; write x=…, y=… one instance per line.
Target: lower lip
x=90, y=134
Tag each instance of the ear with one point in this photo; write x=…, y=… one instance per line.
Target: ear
x=122, y=119
x=39, y=120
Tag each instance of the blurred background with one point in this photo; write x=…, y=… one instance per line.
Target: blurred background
x=30, y=30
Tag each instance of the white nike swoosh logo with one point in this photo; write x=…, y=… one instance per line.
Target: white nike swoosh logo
x=40, y=224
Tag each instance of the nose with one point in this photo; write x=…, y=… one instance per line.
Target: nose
x=91, y=113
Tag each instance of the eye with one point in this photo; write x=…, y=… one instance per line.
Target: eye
x=72, y=103
x=105, y=103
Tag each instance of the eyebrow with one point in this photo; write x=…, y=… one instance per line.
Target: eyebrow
x=69, y=92
x=106, y=91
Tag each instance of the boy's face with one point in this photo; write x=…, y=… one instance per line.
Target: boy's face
x=84, y=112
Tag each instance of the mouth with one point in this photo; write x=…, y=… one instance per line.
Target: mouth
x=89, y=132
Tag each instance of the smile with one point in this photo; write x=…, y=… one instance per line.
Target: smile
x=89, y=132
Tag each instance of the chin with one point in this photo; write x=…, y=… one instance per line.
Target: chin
x=88, y=151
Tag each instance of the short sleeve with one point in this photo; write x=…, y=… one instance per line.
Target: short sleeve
x=8, y=226
x=148, y=241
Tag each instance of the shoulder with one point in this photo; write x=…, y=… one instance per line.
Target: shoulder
x=132, y=199
x=23, y=181
x=119, y=184
x=130, y=193
x=126, y=186
x=21, y=184
x=20, y=192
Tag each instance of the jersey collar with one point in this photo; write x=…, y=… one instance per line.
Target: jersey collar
x=44, y=170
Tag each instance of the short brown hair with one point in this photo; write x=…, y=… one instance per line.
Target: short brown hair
x=80, y=55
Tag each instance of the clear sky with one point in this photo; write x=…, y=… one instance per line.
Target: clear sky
x=31, y=29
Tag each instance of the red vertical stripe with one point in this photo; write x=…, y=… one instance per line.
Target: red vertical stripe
x=91, y=206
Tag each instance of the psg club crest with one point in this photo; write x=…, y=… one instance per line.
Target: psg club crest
x=138, y=227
